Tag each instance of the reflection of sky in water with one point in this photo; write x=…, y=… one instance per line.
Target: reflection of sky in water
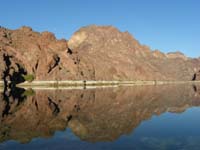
x=169, y=131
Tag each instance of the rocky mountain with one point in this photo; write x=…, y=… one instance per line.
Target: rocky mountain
x=92, y=53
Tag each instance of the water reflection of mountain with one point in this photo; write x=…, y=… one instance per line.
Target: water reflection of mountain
x=93, y=115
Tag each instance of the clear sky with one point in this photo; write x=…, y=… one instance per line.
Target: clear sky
x=167, y=25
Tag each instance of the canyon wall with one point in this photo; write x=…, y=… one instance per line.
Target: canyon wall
x=92, y=53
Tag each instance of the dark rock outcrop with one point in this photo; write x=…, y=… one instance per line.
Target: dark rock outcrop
x=196, y=76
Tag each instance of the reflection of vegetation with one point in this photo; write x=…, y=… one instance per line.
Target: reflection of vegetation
x=29, y=92
x=5, y=135
x=29, y=77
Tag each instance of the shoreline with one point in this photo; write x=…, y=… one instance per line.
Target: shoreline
x=95, y=83
x=83, y=83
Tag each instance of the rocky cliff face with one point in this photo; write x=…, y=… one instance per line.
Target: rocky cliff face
x=39, y=54
x=117, y=55
x=92, y=53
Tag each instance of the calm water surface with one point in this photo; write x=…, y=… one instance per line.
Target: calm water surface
x=142, y=117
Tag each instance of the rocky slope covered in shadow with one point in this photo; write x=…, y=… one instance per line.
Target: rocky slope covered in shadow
x=92, y=53
x=39, y=54
x=93, y=115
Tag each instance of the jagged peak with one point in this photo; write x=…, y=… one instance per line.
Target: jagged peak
x=26, y=29
x=176, y=54
x=97, y=34
x=48, y=35
x=158, y=54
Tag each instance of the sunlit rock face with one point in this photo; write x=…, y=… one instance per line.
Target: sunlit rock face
x=116, y=55
x=92, y=53
x=92, y=114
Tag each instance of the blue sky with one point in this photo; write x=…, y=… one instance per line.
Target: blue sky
x=168, y=25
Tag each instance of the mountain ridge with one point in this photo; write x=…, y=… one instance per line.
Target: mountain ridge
x=92, y=53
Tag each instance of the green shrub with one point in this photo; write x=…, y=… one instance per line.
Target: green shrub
x=29, y=77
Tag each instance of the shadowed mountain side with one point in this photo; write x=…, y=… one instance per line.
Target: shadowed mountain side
x=93, y=115
x=39, y=54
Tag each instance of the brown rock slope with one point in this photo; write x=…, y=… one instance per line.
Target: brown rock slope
x=94, y=53
x=40, y=54
x=117, y=55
